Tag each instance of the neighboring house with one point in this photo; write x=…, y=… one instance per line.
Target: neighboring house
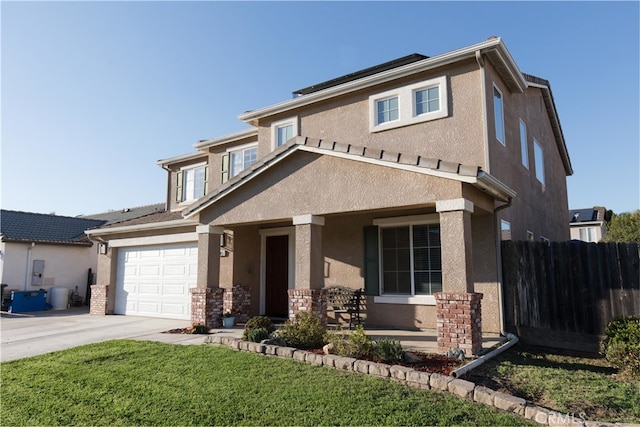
x=399, y=179
x=40, y=251
x=588, y=225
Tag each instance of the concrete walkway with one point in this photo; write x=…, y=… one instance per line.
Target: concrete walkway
x=31, y=334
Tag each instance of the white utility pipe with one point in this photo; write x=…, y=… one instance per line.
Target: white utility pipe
x=513, y=340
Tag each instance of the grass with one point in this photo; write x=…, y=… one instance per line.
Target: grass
x=585, y=386
x=149, y=383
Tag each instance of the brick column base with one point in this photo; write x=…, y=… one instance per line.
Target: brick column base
x=312, y=300
x=459, y=320
x=238, y=301
x=206, y=306
x=99, y=300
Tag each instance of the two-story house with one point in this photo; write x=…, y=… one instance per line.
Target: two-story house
x=399, y=179
x=588, y=225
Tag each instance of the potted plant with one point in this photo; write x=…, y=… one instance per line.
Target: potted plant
x=228, y=319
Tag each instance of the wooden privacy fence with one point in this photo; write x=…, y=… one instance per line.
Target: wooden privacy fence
x=564, y=294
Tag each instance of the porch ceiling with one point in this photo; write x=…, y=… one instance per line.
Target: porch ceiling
x=313, y=176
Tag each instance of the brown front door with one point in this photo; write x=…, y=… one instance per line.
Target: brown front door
x=277, y=276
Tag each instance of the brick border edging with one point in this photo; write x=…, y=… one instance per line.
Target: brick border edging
x=422, y=380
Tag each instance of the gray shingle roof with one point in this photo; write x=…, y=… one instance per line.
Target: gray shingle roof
x=16, y=226
x=126, y=214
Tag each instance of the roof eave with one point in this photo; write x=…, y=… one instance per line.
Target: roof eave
x=181, y=158
x=225, y=139
x=494, y=44
x=163, y=225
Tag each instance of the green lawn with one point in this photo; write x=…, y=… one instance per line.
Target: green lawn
x=150, y=383
x=563, y=381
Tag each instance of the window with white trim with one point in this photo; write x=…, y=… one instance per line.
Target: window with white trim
x=191, y=183
x=588, y=234
x=411, y=260
x=498, y=112
x=538, y=158
x=524, y=148
x=283, y=130
x=505, y=230
x=241, y=159
x=416, y=103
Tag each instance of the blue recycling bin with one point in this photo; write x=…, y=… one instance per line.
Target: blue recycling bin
x=26, y=301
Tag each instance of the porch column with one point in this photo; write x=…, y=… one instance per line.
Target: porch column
x=207, y=296
x=308, y=294
x=458, y=311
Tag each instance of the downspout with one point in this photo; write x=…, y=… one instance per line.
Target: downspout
x=513, y=340
x=168, y=200
x=26, y=270
x=499, y=262
x=485, y=130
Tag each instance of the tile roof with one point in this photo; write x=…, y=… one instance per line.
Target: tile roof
x=421, y=164
x=154, y=217
x=126, y=214
x=16, y=226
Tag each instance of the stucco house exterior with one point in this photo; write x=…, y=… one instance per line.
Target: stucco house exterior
x=400, y=179
x=42, y=251
x=589, y=224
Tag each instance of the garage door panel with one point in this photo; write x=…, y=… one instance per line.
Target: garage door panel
x=155, y=281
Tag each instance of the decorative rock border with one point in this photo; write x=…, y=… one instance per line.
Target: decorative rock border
x=423, y=380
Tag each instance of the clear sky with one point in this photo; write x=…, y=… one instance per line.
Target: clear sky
x=94, y=93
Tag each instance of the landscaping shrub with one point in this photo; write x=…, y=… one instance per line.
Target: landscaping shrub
x=255, y=323
x=356, y=344
x=304, y=331
x=389, y=350
x=621, y=347
x=258, y=334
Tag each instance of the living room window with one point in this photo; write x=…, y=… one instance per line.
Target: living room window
x=416, y=103
x=283, y=130
x=191, y=183
x=410, y=257
x=498, y=112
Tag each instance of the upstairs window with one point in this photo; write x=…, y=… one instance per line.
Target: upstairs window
x=387, y=110
x=538, y=158
x=191, y=183
x=524, y=148
x=238, y=159
x=427, y=100
x=498, y=112
x=407, y=105
x=283, y=130
x=588, y=234
x=242, y=159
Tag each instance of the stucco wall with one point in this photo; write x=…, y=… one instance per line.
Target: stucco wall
x=307, y=183
x=65, y=266
x=539, y=208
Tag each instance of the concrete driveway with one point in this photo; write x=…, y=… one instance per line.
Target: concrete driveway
x=31, y=334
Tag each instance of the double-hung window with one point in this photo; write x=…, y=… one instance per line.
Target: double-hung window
x=283, y=130
x=498, y=112
x=191, y=183
x=407, y=105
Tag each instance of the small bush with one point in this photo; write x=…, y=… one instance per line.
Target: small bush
x=304, y=331
x=258, y=334
x=255, y=323
x=621, y=347
x=389, y=350
x=356, y=344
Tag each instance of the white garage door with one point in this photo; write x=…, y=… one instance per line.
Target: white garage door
x=155, y=280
